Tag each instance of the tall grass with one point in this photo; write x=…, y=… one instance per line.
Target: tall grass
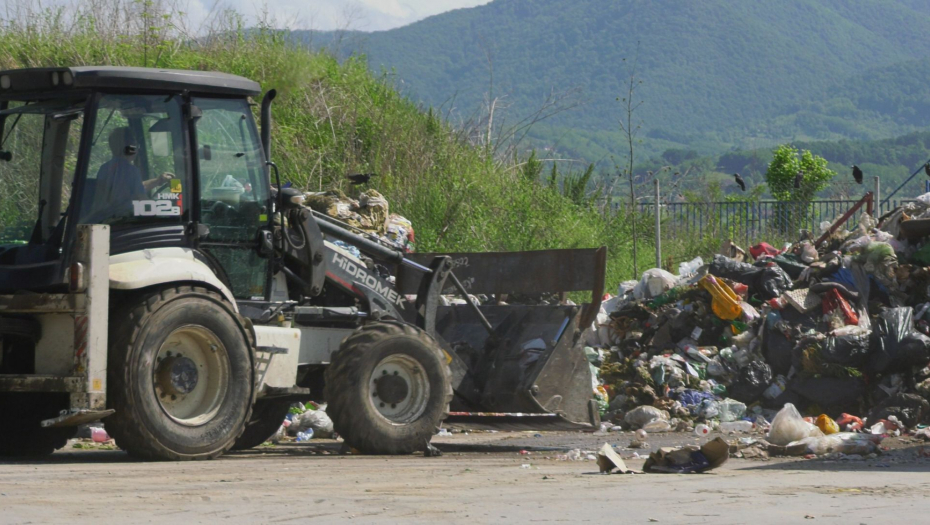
x=332, y=119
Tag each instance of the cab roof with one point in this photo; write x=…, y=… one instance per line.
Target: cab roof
x=126, y=79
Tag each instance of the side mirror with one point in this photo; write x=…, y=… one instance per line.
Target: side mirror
x=205, y=152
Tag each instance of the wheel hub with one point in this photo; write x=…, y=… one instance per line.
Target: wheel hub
x=177, y=375
x=399, y=389
x=191, y=375
x=392, y=388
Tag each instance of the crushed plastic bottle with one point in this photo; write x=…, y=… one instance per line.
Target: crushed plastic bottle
x=736, y=426
x=701, y=430
x=305, y=436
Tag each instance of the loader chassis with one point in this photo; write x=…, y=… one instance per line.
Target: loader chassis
x=150, y=277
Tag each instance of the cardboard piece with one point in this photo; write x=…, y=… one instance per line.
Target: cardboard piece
x=689, y=458
x=608, y=460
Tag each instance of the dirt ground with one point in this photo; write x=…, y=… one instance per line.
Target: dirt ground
x=481, y=478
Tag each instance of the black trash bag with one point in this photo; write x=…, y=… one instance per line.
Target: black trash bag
x=767, y=281
x=897, y=346
x=834, y=395
x=728, y=268
x=910, y=409
x=774, y=281
x=791, y=265
x=751, y=382
x=846, y=350
x=777, y=350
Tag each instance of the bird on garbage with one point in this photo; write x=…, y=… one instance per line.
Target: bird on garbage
x=739, y=180
x=798, y=179
x=361, y=178
x=857, y=174
x=927, y=169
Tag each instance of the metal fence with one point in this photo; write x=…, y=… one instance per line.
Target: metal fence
x=747, y=222
x=751, y=222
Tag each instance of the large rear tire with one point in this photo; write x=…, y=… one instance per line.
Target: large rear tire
x=388, y=388
x=22, y=436
x=180, y=375
x=267, y=417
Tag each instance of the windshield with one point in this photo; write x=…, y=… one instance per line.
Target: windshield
x=38, y=157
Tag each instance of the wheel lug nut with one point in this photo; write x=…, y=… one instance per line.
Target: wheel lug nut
x=393, y=405
x=382, y=405
x=384, y=372
x=374, y=394
x=395, y=372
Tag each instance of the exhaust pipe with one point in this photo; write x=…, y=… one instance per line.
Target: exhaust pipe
x=266, y=122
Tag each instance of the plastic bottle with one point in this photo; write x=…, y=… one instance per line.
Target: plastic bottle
x=99, y=435
x=305, y=436
x=736, y=426
x=701, y=430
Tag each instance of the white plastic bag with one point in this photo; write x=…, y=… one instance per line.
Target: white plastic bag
x=788, y=427
x=687, y=268
x=730, y=410
x=642, y=415
x=654, y=282
x=317, y=420
x=657, y=425
x=842, y=442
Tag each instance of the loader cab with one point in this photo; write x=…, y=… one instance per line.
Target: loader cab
x=167, y=159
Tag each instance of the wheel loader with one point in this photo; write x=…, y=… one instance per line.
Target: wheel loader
x=156, y=275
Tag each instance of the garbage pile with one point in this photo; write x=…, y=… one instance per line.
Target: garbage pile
x=369, y=213
x=837, y=331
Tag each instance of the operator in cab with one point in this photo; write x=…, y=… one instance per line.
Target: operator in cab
x=119, y=181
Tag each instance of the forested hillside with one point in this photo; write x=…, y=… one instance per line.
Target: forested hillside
x=715, y=74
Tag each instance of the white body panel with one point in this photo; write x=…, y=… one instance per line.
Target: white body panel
x=317, y=345
x=55, y=349
x=90, y=330
x=133, y=270
x=276, y=369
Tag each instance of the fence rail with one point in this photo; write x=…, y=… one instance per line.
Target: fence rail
x=748, y=223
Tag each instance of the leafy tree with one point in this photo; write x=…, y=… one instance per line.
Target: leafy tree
x=784, y=168
x=532, y=168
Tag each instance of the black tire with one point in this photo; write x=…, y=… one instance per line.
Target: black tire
x=267, y=417
x=22, y=436
x=143, y=424
x=351, y=399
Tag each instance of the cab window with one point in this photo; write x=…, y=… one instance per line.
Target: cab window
x=137, y=172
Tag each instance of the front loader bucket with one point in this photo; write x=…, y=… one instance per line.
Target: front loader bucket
x=529, y=373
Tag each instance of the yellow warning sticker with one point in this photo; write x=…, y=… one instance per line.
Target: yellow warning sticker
x=175, y=185
x=263, y=218
x=97, y=384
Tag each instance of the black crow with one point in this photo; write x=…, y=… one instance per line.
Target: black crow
x=739, y=180
x=927, y=169
x=857, y=174
x=361, y=178
x=798, y=179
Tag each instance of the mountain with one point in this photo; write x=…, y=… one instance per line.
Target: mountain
x=715, y=74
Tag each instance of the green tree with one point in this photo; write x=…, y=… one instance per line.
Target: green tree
x=783, y=171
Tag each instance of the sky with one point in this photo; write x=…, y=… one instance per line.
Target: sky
x=363, y=15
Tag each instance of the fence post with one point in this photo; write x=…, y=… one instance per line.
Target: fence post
x=658, y=228
x=878, y=198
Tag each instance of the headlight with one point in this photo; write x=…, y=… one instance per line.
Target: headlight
x=67, y=78
x=55, y=78
x=5, y=82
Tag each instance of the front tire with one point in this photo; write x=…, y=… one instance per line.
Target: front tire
x=180, y=376
x=388, y=388
x=267, y=417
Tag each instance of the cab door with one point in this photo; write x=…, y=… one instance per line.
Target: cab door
x=233, y=193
